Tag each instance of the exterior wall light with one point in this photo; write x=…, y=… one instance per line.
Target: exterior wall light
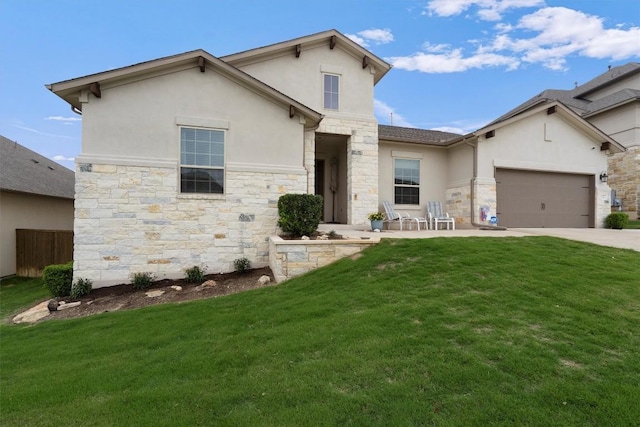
x=604, y=177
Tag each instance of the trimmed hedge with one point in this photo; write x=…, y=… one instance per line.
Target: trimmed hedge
x=616, y=220
x=58, y=278
x=300, y=214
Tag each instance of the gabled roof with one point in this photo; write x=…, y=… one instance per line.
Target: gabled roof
x=613, y=75
x=574, y=98
x=330, y=38
x=416, y=136
x=25, y=171
x=70, y=90
x=556, y=107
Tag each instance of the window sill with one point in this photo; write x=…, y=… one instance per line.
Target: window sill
x=201, y=196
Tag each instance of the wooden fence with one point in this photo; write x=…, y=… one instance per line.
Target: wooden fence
x=36, y=249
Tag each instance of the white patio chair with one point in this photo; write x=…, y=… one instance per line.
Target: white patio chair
x=392, y=216
x=434, y=212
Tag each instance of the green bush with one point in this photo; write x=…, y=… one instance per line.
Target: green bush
x=81, y=287
x=142, y=281
x=194, y=274
x=242, y=265
x=58, y=279
x=617, y=220
x=300, y=214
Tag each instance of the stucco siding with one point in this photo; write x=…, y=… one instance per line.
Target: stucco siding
x=140, y=120
x=19, y=210
x=301, y=78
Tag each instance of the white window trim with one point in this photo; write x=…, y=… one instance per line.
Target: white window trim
x=396, y=155
x=222, y=195
x=339, y=76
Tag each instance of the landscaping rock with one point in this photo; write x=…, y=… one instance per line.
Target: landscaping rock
x=52, y=305
x=263, y=280
x=205, y=285
x=154, y=294
x=64, y=306
x=323, y=237
x=305, y=238
x=176, y=287
x=34, y=314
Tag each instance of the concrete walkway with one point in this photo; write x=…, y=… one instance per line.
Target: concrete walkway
x=625, y=239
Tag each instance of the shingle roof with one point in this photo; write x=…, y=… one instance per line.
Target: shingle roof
x=418, y=136
x=26, y=171
x=574, y=98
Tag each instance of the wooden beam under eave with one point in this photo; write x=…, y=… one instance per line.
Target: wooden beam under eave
x=551, y=110
x=332, y=42
x=292, y=111
x=365, y=62
x=605, y=146
x=201, y=63
x=94, y=88
x=298, y=50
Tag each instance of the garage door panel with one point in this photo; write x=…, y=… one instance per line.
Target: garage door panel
x=544, y=199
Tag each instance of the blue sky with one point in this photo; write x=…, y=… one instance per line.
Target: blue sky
x=457, y=64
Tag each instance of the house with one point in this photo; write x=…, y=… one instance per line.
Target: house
x=184, y=157
x=610, y=102
x=35, y=193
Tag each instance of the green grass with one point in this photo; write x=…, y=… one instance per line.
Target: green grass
x=529, y=331
x=633, y=224
x=18, y=293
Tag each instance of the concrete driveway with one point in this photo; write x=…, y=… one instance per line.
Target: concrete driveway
x=625, y=239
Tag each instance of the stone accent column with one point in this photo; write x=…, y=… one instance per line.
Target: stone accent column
x=624, y=177
x=485, y=194
x=310, y=160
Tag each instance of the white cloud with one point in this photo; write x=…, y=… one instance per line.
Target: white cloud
x=548, y=36
x=53, y=135
x=64, y=119
x=376, y=36
x=452, y=61
x=60, y=158
x=488, y=10
x=386, y=114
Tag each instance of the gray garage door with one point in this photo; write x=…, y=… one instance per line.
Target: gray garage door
x=544, y=199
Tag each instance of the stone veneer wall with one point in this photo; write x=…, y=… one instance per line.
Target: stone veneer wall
x=458, y=203
x=291, y=258
x=624, y=177
x=132, y=219
x=362, y=164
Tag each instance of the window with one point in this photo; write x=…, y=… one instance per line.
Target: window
x=331, y=91
x=407, y=181
x=201, y=161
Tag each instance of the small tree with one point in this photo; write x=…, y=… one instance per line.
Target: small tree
x=300, y=214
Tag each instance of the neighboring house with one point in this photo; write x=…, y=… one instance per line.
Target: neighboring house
x=611, y=102
x=35, y=193
x=184, y=158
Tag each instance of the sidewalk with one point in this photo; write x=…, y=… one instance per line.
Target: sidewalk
x=625, y=239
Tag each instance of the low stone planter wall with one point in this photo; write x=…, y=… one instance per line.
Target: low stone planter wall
x=291, y=258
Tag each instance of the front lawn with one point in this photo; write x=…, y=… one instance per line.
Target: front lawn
x=532, y=331
x=18, y=293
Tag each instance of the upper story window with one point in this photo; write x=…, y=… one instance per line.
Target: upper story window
x=331, y=91
x=406, y=181
x=201, y=161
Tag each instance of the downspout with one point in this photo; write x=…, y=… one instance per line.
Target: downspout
x=473, y=193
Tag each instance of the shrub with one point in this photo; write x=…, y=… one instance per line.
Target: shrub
x=300, y=214
x=81, y=288
x=142, y=281
x=617, y=220
x=242, y=265
x=58, y=279
x=194, y=274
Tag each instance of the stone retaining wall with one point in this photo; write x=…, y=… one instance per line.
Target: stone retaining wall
x=291, y=258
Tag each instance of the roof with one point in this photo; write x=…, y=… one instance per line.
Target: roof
x=380, y=66
x=416, y=136
x=575, y=100
x=70, y=90
x=25, y=171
